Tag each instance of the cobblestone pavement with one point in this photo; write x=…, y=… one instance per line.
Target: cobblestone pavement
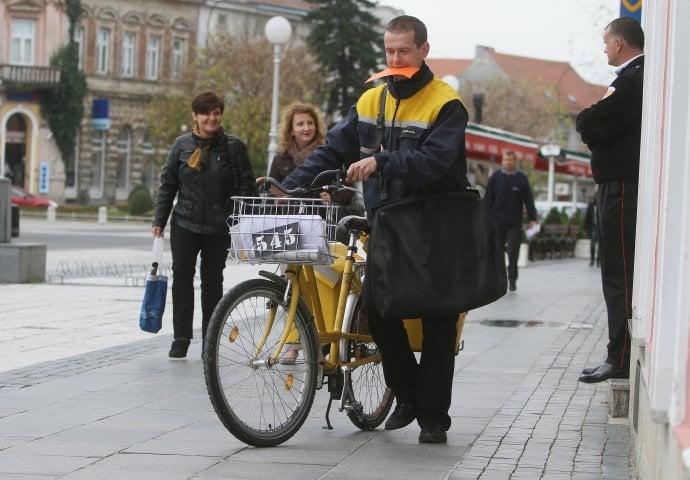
x=85, y=395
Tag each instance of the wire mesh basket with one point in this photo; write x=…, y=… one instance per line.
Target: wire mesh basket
x=285, y=230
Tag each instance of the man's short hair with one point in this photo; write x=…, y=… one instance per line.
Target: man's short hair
x=510, y=153
x=629, y=30
x=406, y=23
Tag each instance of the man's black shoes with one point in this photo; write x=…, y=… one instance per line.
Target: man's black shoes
x=604, y=372
x=401, y=417
x=511, y=286
x=590, y=370
x=432, y=435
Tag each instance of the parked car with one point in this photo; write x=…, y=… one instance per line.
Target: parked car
x=22, y=198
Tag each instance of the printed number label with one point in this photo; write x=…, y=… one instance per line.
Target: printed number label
x=277, y=239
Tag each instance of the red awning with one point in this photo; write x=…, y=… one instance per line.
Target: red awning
x=568, y=163
x=486, y=143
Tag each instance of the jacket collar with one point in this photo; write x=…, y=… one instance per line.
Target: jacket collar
x=632, y=63
x=408, y=87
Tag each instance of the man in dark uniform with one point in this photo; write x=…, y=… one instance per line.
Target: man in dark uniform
x=611, y=129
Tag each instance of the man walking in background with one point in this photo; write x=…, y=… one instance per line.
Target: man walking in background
x=611, y=129
x=508, y=190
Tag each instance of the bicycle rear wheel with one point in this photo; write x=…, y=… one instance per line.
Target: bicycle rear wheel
x=260, y=402
x=372, y=398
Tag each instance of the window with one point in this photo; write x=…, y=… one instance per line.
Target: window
x=22, y=41
x=153, y=56
x=179, y=49
x=98, y=143
x=128, y=54
x=103, y=51
x=222, y=20
x=79, y=40
x=124, y=161
x=148, y=173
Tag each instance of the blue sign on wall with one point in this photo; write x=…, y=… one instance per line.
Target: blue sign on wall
x=100, y=119
x=44, y=177
x=632, y=8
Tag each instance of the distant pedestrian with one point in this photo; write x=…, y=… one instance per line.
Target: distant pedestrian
x=591, y=226
x=611, y=129
x=204, y=169
x=508, y=194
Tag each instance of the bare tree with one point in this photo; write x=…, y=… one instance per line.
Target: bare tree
x=517, y=106
x=242, y=71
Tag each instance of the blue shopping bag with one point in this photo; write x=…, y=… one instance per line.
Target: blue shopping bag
x=153, y=306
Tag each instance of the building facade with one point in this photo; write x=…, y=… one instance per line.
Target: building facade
x=30, y=33
x=660, y=328
x=129, y=51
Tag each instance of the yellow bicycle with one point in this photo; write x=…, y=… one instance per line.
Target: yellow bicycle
x=311, y=304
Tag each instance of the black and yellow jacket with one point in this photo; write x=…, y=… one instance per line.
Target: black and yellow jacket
x=423, y=145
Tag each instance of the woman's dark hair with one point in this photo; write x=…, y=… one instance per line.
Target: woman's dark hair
x=207, y=101
x=406, y=23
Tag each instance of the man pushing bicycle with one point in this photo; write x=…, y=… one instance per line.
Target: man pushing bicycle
x=417, y=147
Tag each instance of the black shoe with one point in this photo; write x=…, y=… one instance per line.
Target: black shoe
x=604, y=372
x=432, y=435
x=179, y=347
x=401, y=417
x=511, y=286
x=590, y=370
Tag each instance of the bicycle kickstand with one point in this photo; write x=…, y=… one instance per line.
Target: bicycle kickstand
x=328, y=411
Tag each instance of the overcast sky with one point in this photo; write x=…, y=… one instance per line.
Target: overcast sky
x=563, y=30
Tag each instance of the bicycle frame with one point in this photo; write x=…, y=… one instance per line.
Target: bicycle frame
x=303, y=283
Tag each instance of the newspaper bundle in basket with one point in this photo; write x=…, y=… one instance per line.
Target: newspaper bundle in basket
x=284, y=233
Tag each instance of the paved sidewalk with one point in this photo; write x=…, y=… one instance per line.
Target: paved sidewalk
x=85, y=395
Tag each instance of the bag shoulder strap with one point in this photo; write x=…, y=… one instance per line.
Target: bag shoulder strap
x=380, y=126
x=381, y=117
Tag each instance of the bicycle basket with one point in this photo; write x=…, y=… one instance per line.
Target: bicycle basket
x=285, y=230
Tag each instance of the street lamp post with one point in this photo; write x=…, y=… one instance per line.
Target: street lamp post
x=278, y=32
x=550, y=151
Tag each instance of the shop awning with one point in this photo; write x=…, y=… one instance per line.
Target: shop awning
x=568, y=163
x=489, y=144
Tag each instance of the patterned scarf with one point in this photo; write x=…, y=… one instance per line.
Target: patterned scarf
x=298, y=156
x=199, y=158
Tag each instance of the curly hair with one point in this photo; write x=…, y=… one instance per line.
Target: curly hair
x=285, y=129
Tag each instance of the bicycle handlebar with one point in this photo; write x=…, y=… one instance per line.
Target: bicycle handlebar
x=316, y=185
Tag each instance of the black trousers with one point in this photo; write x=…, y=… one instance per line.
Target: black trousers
x=186, y=246
x=427, y=385
x=509, y=239
x=617, y=204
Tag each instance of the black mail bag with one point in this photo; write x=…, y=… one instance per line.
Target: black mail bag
x=434, y=256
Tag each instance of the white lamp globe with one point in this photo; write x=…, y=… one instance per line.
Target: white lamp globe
x=452, y=80
x=278, y=30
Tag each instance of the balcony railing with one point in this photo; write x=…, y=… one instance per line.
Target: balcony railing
x=29, y=76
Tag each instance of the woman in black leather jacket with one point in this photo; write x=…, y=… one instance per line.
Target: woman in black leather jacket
x=204, y=169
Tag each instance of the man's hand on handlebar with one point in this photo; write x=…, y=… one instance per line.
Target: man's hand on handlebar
x=361, y=170
x=265, y=186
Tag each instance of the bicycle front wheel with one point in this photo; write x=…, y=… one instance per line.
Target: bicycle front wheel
x=261, y=402
x=372, y=398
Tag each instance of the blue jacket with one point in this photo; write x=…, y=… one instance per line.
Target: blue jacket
x=423, y=146
x=505, y=196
